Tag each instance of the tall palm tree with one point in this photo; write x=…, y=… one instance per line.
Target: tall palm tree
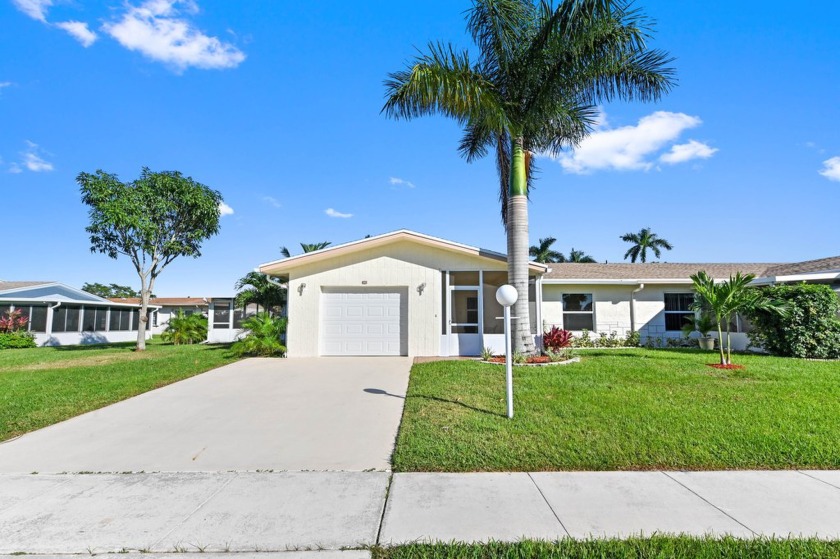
x=543, y=252
x=307, y=247
x=541, y=71
x=642, y=241
x=579, y=256
x=258, y=289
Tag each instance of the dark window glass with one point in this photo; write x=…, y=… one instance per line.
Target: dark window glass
x=240, y=315
x=135, y=319
x=577, y=302
x=221, y=315
x=4, y=310
x=38, y=319
x=578, y=321
x=674, y=321
x=678, y=301
x=59, y=319
x=114, y=326
x=152, y=318
x=25, y=311
x=89, y=320
x=101, y=319
x=73, y=313
x=492, y=308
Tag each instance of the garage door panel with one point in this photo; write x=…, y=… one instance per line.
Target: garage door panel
x=361, y=323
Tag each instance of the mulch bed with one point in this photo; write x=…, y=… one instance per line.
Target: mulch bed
x=719, y=366
x=533, y=360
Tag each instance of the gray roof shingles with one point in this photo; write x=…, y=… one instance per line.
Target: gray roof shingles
x=6, y=285
x=809, y=266
x=651, y=270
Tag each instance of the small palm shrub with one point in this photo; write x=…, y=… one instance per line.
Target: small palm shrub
x=263, y=338
x=13, y=334
x=186, y=329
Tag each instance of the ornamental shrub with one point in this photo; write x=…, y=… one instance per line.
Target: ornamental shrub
x=556, y=339
x=18, y=339
x=810, y=328
x=186, y=329
x=263, y=338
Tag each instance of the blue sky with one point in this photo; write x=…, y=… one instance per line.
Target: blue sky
x=276, y=105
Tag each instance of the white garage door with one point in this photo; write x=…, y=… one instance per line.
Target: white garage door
x=356, y=322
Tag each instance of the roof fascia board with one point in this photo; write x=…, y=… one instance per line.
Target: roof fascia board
x=584, y=281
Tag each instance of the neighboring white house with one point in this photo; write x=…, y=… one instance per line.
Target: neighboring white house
x=62, y=315
x=405, y=293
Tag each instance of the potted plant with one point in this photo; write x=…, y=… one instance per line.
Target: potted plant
x=703, y=324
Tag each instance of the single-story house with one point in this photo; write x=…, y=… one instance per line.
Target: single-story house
x=406, y=293
x=167, y=307
x=62, y=315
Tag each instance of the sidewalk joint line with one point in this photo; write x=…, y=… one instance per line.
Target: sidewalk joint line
x=806, y=474
x=384, y=507
x=199, y=507
x=678, y=482
x=549, y=504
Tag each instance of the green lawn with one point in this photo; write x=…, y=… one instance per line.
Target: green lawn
x=632, y=409
x=652, y=548
x=42, y=386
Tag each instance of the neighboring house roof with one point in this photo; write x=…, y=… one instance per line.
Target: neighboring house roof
x=831, y=264
x=651, y=272
x=164, y=301
x=282, y=266
x=51, y=292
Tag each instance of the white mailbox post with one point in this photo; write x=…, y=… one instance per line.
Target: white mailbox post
x=506, y=295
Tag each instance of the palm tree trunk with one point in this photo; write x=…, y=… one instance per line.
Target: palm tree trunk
x=517, y=247
x=720, y=342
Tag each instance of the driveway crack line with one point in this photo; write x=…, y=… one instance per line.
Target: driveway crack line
x=699, y=496
x=549, y=504
x=196, y=509
x=806, y=474
x=384, y=507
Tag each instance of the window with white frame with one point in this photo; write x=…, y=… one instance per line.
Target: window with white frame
x=678, y=311
x=578, y=311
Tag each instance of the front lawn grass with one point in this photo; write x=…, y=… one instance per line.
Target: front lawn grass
x=45, y=385
x=632, y=409
x=681, y=547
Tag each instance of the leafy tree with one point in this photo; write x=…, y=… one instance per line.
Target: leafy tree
x=112, y=290
x=152, y=220
x=263, y=338
x=307, y=247
x=642, y=241
x=579, y=256
x=258, y=288
x=541, y=71
x=726, y=299
x=186, y=329
x=543, y=252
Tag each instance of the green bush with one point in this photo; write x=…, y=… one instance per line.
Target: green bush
x=17, y=340
x=186, y=329
x=810, y=328
x=263, y=338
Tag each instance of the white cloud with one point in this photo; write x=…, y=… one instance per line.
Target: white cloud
x=273, y=201
x=224, y=209
x=333, y=213
x=32, y=159
x=681, y=153
x=4, y=85
x=14, y=168
x=157, y=30
x=831, y=169
x=396, y=181
x=36, y=9
x=79, y=30
x=631, y=148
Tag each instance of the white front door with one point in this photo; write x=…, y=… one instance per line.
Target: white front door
x=361, y=322
x=465, y=322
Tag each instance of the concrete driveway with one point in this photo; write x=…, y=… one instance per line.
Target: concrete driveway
x=257, y=414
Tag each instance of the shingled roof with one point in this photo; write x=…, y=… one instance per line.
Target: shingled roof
x=809, y=266
x=650, y=271
x=164, y=301
x=6, y=285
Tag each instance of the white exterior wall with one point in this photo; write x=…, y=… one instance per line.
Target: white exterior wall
x=612, y=309
x=399, y=265
x=86, y=338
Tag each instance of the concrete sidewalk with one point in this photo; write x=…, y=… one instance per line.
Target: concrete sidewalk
x=253, y=511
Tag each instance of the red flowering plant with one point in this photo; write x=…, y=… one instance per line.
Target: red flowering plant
x=14, y=321
x=557, y=342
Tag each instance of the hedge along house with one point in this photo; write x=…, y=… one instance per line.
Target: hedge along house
x=405, y=293
x=62, y=315
x=401, y=293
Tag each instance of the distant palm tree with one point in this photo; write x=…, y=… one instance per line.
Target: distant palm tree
x=544, y=254
x=307, y=247
x=579, y=256
x=257, y=288
x=642, y=241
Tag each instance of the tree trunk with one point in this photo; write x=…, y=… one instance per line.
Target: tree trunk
x=517, y=247
x=145, y=295
x=720, y=342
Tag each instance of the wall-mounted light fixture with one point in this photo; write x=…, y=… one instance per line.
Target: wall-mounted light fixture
x=420, y=288
x=301, y=287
